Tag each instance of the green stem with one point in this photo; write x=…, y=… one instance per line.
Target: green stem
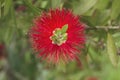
x=103, y=28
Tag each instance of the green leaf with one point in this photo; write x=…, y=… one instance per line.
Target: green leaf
x=0, y=9
x=8, y=35
x=7, y=6
x=93, y=53
x=111, y=50
x=61, y=67
x=83, y=6
x=102, y=4
x=88, y=20
x=31, y=7
x=99, y=18
x=64, y=28
x=115, y=11
x=56, y=3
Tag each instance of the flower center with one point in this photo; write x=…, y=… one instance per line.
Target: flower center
x=59, y=35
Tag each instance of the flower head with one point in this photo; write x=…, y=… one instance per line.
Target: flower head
x=57, y=35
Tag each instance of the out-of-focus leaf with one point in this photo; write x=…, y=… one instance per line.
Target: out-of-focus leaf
x=88, y=20
x=93, y=53
x=117, y=39
x=101, y=17
x=8, y=35
x=111, y=50
x=83, y=6
x=2, y=76
x=102, y=4
x=44, y=3
x=7, y=6
x=31, y=7
x=27, y=56
x=56, y=3
x=61, y=67
x=78, y=76
x=0, y=9
x=98, y=18
x=115, y=11
x=90, y=12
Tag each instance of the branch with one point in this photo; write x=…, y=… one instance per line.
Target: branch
x=103, y=27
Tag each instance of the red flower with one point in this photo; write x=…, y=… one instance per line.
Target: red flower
x=57, y=35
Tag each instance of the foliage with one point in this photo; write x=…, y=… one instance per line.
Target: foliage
x=101, y=50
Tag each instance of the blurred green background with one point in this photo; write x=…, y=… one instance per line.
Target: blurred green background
x=99, y=58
